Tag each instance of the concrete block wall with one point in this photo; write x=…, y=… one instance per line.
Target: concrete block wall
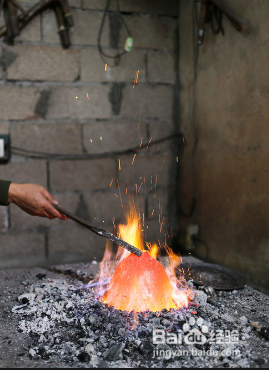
x=58, y=101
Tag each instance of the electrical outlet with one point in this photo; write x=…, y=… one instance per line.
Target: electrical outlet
x=4, y=148
x=191, y=231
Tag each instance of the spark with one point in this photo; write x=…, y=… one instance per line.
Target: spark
x=136, y=79
x=105, y=67
x=161, y=226
x=101, y=138
x=152, y=213
x=144, y=179
x=157, y=150
x=116, y=195
x=133, y=159
x=149, y=190
x=177, y=159
x=111, y=182
x=91, y=140
x=149, y=142
x=126, y=191
x=120, y=193
x=119, y=165
x=88, y=96
x=76, y=97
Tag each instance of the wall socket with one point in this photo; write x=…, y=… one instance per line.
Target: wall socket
x=191, y=231
x=4, y=148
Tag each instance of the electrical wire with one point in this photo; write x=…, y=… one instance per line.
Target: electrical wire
x=100, y=49
x=56, y=156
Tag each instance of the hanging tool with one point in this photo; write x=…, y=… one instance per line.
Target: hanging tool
x=15, y=23
x=211, y=12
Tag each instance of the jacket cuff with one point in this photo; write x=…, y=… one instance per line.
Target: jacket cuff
x=4, y=187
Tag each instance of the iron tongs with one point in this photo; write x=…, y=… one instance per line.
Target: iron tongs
x=99, y=231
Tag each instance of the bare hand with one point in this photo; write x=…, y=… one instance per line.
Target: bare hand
x=34, y=199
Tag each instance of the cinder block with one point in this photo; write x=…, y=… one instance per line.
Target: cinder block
x=50, y=28
x=3, y=129
x=101, y=137
x=20, y=220
x=97, y=5
x=144, y=173
x=86, y=28
x=74, y=4
x=40, y=63
x=27, y=3
x=22, y=250
x=18, y=103
x=112, y=205
x=159, y=130
x=63, y=138
x=150, y=32
x=84, y=32
x=169, y=7
x=157, y=202
x=75, y=245
x=147, y=102
x=82, y=175
x=1, y=48
x=28, y=171
x=31, y=32
x=140, y=6
x=3, y=219
x=93, y=67
x=161, y=67
x=103, y=207
x=79, y=102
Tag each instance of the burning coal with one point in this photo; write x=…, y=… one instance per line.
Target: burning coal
x=131, y=283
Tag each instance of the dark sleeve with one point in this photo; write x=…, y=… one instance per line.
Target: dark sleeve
x=4, y=186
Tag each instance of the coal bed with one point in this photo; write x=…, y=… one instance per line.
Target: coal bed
x=51, y=318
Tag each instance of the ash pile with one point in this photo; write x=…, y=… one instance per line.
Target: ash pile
x=70, y=327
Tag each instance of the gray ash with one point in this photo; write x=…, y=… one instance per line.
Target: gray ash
x=69, y=325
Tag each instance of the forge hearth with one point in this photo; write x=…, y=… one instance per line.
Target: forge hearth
x=49, y=319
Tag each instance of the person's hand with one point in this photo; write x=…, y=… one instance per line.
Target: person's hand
x=34, y=199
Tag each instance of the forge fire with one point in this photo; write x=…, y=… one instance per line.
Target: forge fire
x=131, y=283
x=137, y=312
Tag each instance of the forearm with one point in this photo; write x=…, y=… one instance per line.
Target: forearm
x=4, y=190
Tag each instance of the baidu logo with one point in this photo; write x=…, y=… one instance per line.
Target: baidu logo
x=189, y=334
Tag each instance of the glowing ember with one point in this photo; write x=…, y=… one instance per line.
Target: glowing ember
x=139, y=283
